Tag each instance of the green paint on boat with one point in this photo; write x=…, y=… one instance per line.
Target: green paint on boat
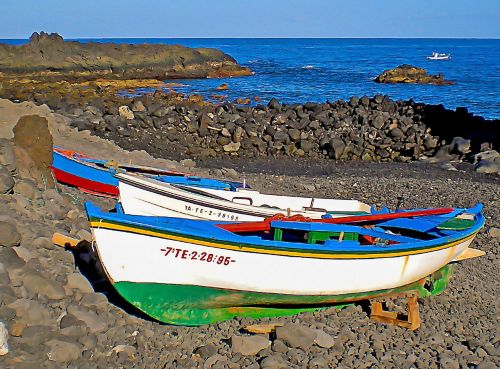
x=457, y=224
x=441, y=279
x=197, y=305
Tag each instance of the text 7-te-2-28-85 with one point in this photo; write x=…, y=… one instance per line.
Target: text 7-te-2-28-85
x=195, y=255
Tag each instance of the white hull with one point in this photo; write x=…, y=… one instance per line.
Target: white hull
x=144, y=196
x=139, y=258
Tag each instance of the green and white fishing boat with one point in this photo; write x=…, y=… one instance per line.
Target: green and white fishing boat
x=192, y=272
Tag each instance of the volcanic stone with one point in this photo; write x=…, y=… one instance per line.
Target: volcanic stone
x=296, y=335
x=249, y=345
x=6, y=180
x=79, y=282
x=9, y=235
x=32, y=134
x=4, y=337
x=36, y=283
x=63, y=351
x=337, y=147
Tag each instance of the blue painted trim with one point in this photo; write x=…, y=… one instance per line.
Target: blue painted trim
x=208, y=230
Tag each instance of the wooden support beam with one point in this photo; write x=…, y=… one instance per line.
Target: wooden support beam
x=64, y=241
x=262, y=328
x=469, y=253
x=410, y=321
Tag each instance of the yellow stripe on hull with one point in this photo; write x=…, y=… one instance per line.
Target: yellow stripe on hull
x=246, y=248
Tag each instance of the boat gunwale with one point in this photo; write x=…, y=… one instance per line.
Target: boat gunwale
x=234, y=242
x=206, y=200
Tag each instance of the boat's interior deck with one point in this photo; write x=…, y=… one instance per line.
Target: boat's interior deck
x=317, y=235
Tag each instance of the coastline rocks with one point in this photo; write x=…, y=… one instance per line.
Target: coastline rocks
x=53, y=58
x=371, y=129
x=406, y=73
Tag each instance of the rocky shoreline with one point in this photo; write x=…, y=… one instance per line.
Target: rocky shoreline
x=375, y=129
x=50, y=57
x=52, y=316
x=57, y=309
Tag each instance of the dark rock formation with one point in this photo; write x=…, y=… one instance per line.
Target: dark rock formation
x=410, y=74
x=369, y=129
x=49, y=53
x=34, y=148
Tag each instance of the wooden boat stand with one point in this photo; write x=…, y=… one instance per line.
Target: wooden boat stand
x=410, y=321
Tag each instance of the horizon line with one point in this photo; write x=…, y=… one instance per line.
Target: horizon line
x=266, y=37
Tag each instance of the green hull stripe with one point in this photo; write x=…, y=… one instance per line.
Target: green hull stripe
x=196, y=305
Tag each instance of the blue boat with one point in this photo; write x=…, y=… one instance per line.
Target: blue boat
x=96, y=176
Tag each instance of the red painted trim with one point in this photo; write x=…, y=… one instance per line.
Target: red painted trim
x=93, y=187
x=265, y=225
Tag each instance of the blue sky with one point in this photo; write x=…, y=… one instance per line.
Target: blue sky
x=253, y=18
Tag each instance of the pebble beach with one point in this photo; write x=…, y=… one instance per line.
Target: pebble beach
x=53, y=317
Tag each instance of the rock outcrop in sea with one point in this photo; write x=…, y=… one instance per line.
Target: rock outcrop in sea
x=406, y=73
x=50, y=56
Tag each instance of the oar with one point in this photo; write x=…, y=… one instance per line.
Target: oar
x=265, y=225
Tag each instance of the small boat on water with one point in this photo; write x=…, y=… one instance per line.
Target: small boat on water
x=141, y=195
x=192, y=272
x=439, y=56
x=96, y=176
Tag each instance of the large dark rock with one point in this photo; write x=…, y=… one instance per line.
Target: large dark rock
x=50, y=53
x=32, y=135
x=406, y=73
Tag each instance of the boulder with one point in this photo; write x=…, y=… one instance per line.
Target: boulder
x=7, y=156
x=32, y=135
x=36, y=283
x=490, y=166
x=27, y=189
x=296, y=335
x=4, y=336
x=274, y=104
x=397, y=133
x=29, y=312
x=306, y=145
x=232, y=147
x=323, y=339
x=9, y=235
x=249, y=345
x=138, y=106
x=460, y=145
x=6, y=180
x=406, y=73
x=486, y=155
x=125, y=112
x=337, y=148
x=79, y=282
x=63, y=351
x=275, y=361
